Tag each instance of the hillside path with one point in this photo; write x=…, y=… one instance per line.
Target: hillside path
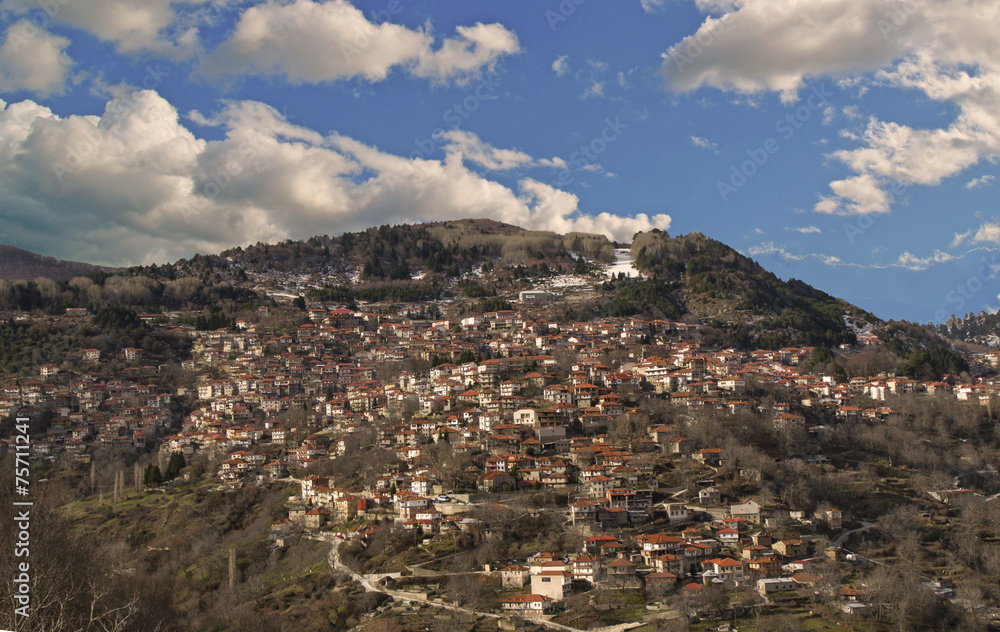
x=335, y=563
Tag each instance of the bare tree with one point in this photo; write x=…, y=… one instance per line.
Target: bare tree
x=468, y=590
x=897, y=596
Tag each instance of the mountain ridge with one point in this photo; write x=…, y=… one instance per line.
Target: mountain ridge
x=486, y=263
x=19, y=264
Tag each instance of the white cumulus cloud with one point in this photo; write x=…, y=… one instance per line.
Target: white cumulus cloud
x=944, y=51
x=316, y=42
x=33, y=60
x=860, y=195
x=988, y=233
x=134, y=185
x=160, y=26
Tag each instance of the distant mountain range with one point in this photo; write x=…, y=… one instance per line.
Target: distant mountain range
x=17, y=264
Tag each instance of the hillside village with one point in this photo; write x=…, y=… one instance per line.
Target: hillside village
x=460, y=416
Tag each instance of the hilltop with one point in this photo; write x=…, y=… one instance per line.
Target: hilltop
x=22, y=264
x=689, y=276
x=484, y=265
x=393, y=253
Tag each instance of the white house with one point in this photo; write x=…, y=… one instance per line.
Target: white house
x=529, y=605
x=553, y=584
x=525, y=416
x=776, y=584
x=749, y=510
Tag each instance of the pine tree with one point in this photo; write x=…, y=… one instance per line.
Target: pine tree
x=175, y=466
x=153, y=477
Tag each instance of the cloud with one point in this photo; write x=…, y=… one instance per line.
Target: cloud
x=861, y=195
x=960, y=238
x=159, y=26
x=704, y=143
x=774, y=45
x=135, y=186
x=33, y=60
x=317, y=42
x=561, y=65
x=598, y=65
x=652, y=6
x=912, y=262
x=769, y=248
x=470, y=148
x=987, y=233
x=594, y=90
x=476, y=48
x=943, y=51
x=556, y=210
x=808, y=230
x=981, y=181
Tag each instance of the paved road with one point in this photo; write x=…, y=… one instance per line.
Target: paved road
x=846, y=534
x=334, y=559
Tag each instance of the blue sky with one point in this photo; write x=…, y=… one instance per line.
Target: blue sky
x=848, y=143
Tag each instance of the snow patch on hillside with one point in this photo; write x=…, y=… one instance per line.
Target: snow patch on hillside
x=622, y=263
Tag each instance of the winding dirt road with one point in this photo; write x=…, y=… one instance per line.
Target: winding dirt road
x=335, y=563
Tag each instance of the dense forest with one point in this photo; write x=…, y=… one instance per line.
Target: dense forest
x=393, y=253
x=732, y=292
